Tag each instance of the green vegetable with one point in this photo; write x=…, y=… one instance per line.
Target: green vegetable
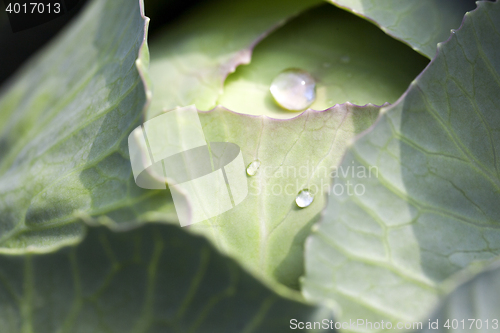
x=84, y=249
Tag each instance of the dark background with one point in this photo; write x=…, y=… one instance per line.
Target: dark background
x=16, y=48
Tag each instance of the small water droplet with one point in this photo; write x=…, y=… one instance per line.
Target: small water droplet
x=345, y=59
x=330, y=102
x=294, y=89
x=253, y=167
x=304, y=198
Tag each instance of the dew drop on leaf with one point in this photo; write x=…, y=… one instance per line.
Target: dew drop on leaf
x=294, y=89
x=253, y=167
x=304, y=198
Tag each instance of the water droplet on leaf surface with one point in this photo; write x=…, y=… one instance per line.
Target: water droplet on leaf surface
x=304, y=198
x=294, y=89
x=253, y=167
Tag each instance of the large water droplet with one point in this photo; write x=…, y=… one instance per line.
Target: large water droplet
x=253, y=167
x=304, y=198
x=294, y=89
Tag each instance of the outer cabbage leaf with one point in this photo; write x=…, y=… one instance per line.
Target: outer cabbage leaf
x=350, y=59
x=421, y=24
x=433, y=209
x=156, y=278
x=63, y=147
